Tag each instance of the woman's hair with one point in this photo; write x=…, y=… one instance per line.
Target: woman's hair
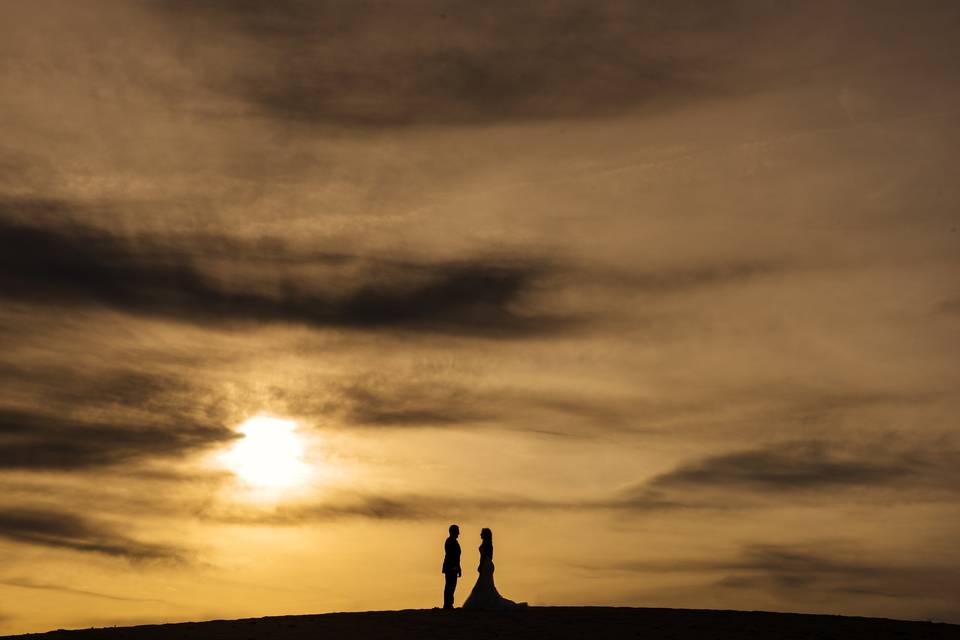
x=486, y=534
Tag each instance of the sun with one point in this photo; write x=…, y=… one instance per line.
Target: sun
x=269, y=456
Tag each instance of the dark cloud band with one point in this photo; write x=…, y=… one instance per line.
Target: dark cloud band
x=362, y=66
x=801, y=570
x=34, y=441
x=75, y=264
x=65, y=530
x=808, y=467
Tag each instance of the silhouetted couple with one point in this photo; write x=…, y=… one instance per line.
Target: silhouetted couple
x=484, y=594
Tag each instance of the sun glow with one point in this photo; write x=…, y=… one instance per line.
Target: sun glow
x=269, y=456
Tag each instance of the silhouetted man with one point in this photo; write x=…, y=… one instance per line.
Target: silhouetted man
x=451, y=566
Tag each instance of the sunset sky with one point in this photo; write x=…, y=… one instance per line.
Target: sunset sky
x=666, y=294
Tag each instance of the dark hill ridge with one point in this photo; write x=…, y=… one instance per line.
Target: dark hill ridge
x=535, y=622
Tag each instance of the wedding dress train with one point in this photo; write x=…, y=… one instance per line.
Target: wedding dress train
x=484, y=595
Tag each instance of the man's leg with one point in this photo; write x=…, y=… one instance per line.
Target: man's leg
x=448, y=588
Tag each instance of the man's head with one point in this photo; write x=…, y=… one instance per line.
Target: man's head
x=454, y=531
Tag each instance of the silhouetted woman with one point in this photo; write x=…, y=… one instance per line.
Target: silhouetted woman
x=484, y=594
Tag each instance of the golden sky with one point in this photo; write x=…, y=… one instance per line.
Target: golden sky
x=664, y=293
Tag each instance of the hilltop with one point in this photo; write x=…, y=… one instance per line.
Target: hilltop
x=535, y=622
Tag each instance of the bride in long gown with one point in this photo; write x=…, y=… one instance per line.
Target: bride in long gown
x=484, y=594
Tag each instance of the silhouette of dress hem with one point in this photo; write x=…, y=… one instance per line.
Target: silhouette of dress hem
x=484, y=596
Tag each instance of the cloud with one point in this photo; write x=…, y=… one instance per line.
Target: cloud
x=421, y=400
x=423, y=507
x=738, y=479
x=785, y=567
x=372, y=507
x=68, y=388
x=25, y=583
x=360, y=65
x=951, y=306
x=65, y=530
x=75, y=265
x=421, y=396
x=689, y=278
x=785, y=467
x=376, y=65
x=422, y=404
x=409, y=506
x=643, y=500
x=36, y=441
x=814, y=569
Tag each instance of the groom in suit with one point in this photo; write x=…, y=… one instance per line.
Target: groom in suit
x=451, y=566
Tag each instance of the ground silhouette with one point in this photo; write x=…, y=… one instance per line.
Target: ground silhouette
x=535, y=622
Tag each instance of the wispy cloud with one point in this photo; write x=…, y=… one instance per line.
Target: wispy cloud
x=66, y=530
x=367, y=70
x=409, y=506
x=687, y=278
x=807, y=467
x=325, y=63
x=25, y=583
x=805, y=569
x=784, y=467
x=951, y=306
x=429, y=400
x=37, y=441
x=739, y=481
x=422, y=404
x=69, y=388
x=76, y=264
